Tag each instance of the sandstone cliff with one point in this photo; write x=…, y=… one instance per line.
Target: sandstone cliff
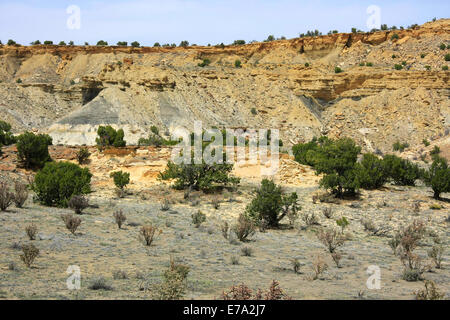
x=69, y=91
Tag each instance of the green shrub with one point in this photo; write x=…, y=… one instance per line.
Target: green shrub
x=61, y=43
x=102, y=43
x=301, y=150
x=398, y=146
x=238, y=42
x=445, y=68
x=157, y=45
x=428, y=68
x=436, y=150
x=402, y=172
x=198, y=218
x=11, y=42
x=336, y=159
x=154, y=139
x=253, y=111
x=447, y=57
x=6, y=136
x=395, y=37
x=306, y=64
x=337, y=70
x=371, y=173
x=442, y=46
x=270, y=205
x=82, y=155
x=108, y=136
x=369, y=64
x=48, y=42
x=237, y=64
x=122, y=43
x=135, y=44
x=425, y=142
x=184, y=43
x=121, y=179
x=398, y=67
x=204, y=63
x=57, y=182
x=32, y=150
x=438, y=176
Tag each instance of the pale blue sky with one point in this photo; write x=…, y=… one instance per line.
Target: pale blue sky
x=200, y=21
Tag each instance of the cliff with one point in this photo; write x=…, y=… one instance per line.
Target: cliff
x=68, y=91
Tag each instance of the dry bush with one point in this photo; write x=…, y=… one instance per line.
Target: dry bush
x=413, y=266
x=6, y=197
x=239, y=292
x=198, y=218
x=336, y=258
x=243, y=292
x=120, y=275
x=331, y=239
x=408, y=238
x=224, y=228
x=296, y=265
x=247, y=251
x=436, y=254
x=174, y=285
x=31, y=231
x=72, y=223
x=149, y=233
x=165, y=205
x=416, y=207
x=30, y=252
x=78, y=203
x=319, y=266
x=328, y=212
x=20, y=194
x=99, y=283
x=234, y=260
x=120, y=218
x=244, y=228
x=120, y=193
x=370, y=227
x=430, y=292
x=310, y=219
x=216, y=203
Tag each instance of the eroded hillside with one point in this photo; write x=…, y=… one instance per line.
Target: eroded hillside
x=291, y=84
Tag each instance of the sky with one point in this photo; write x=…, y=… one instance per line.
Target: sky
x=199, y=21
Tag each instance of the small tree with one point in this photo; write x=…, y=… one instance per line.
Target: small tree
x=336, y=159
x=32, y=150
x=270, y=205
x=371, y=173
x=121, y=179
x=184, y=43
x=202, y=176
x=438, y=176
x=108, y=136
x=6, y=136
x=135, y=44
x=238, y=64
